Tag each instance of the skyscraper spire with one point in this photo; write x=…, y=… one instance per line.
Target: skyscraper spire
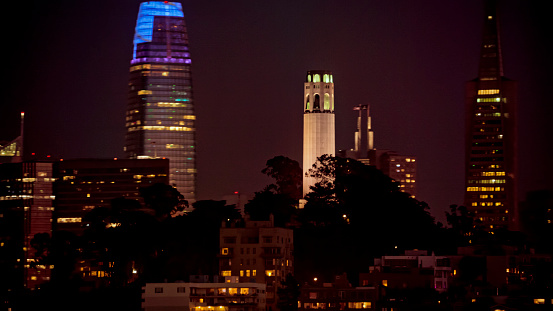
x=490, y=122
x=491, y=63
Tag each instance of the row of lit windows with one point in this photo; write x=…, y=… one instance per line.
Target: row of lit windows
x=492, y=173
x=165, y=74
x=161, y=128
x=488, y=92
x=495, y=114
x=485, y=189
x=317, y=78
x=69, y=220
x=487, y=204
x=159, y=67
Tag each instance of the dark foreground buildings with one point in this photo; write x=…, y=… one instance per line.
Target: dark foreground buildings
x=160, y=118
x=490, y=157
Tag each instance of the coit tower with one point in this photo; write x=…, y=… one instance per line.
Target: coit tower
x=318, y=121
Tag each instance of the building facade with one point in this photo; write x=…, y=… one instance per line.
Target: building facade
x=223, y=296
x=26, y=205
x=339, y=295
x=490, y=151
x=257, y=252
x=160, y=119
x=318, y=121
x=84, y=184
x=415, y=269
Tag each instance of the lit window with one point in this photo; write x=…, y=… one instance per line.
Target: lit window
x=224, y=251
x=233, y=291
x=539, y=301
x=270, y=272
x=316, y=78
x=244, y=291
x=226, y=273
x=384, y=282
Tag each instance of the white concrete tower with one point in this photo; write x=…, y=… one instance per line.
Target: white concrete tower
x=318, y=120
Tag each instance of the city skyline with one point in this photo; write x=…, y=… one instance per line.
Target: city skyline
x=397, y=57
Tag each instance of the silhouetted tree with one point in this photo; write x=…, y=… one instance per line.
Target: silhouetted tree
x=288, y=294
x=359, y=213
x=280, y=198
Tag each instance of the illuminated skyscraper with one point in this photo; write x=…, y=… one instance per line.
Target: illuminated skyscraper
x=490, y=157
x=160, y=118
x=318, y=120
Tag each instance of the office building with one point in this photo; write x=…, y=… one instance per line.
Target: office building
x=490, y=151
x=318, y=121
x=26, y=205
x=12, y=151
x=160, y=120
x=227, y=295
x=257, y=252
x=83, y=184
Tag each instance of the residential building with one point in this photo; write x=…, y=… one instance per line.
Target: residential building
x=415, y=269
x=259, y=252
x=318, y=121
x=204, y=296
x=339, y=295
x=491, y=142
x=160, y=119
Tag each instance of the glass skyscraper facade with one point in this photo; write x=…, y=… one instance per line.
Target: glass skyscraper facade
x=160, y=119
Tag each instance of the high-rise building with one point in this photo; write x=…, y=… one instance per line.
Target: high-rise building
x=318, y=121
x=160, y=118
x=12, y=151
x=490, y=151
x=26, y=205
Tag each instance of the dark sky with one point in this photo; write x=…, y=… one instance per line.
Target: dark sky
x=67, y=62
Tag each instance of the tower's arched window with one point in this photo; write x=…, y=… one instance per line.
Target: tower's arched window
x=308, y=78
x=316, y=103
x=332, y=101
x=307, y=105
x=326, y=79
x=331, y=80
x=317, y=78
x=327, y=102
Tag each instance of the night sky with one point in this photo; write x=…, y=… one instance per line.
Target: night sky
x=66, y=65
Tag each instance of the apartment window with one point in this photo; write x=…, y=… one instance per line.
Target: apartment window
x=181, y=289
x=158, y=290
x=226, y=273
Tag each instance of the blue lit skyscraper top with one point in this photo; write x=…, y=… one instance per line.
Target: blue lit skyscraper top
x=145, y=21
x=160, y=118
